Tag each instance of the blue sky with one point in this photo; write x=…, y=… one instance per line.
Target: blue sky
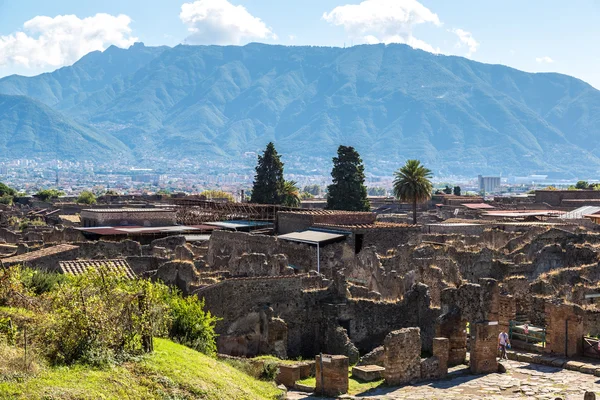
x=532, y=35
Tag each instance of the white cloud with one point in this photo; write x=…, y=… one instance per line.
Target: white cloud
x=220, y=22
x=292, y=37
x=544, y=60
x=384, y=21
x=62, y=40
x=466, y=39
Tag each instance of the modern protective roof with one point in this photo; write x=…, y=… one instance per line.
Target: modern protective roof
x=581, y=212
x=313, y=237
x=239, y=224
x=78, y=267
x=140, y=230
x=477, y=206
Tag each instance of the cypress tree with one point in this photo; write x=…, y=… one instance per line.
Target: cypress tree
x=268, y=185
x=348, y=190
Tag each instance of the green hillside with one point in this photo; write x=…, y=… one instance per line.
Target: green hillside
x=172, y=371
x=29, y=129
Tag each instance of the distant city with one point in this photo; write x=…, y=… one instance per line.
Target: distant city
x=194, y=176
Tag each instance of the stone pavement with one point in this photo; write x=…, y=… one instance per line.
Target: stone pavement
x=522, y=381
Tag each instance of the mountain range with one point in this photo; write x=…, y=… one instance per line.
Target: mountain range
x=391, y=102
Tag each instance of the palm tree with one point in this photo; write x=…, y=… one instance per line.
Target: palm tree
x=411, y=183
x=291, y=194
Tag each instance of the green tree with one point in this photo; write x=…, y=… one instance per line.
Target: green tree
x=306, y=196
x=49, y=194
x=412, y=183
x=456, y=190
x=86, y=197
x=268, y=184
x=348, y=190
x=291, y=194
x=218, y=194
x=448, y=190
x=376, y=191
x=582, y=185
x=7, y=194
x=315, y=189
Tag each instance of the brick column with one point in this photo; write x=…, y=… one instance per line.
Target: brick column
x=402, y=356
x=441, y=349
x=484, y=348
x=332, y=379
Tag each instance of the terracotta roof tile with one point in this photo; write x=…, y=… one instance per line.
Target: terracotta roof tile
x=78, y=267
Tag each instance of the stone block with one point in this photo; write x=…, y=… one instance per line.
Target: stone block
x=588, y=369
x=441, y=347
x=558, y=362
x=524, y=357
x=307, y=369
x=512, y=355
x=430, y=368
x=402, y=356
x=573, y=365
x=304, y=388
x=332, y=375
x=368, y=373
x=288, y=375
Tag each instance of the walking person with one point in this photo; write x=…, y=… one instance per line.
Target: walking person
x=502, y=343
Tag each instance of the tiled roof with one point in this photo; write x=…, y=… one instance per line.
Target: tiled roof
x=376, y=225
x=34, y=255
x=128, y=210
x=326, y=212
x=78, y=267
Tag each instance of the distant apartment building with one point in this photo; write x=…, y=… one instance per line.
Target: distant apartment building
x=488, y=184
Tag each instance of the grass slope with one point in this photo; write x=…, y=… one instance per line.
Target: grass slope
x=172, y=372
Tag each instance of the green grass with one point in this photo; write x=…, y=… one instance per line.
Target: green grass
x=355, y=386
x=172, y=372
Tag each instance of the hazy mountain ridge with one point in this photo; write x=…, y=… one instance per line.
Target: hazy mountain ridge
x=391, y=102
x=29, y=129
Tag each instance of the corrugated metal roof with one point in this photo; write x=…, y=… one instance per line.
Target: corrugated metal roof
x=128, y=210
x=238, y=224
x=581, y=212
x=196, y=238
x=311, y=236
x=140, y=230
x=477, y=206
x=78, y=267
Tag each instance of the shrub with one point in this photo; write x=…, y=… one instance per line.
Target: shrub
x=100, y=317
x=40, y=282
x=86, y=197
x=191, y=325
x=49, y=194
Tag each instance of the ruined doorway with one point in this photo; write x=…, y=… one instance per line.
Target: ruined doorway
x=358, y=242
x=345, y=323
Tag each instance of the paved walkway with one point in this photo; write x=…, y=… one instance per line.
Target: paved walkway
x=522, y=381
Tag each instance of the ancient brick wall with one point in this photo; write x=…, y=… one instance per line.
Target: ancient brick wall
x=291, y=221
x=507, y=311
x=369, y=321
x=591, y=323
x=233, y=299
x=564, y=330
x=484, y=348
x=555, y=197
x=402, y=356
x=108, y=250
x=132, y=218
